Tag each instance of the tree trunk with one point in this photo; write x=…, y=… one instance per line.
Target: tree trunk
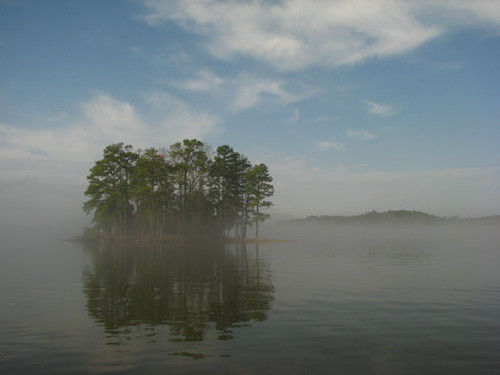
x=257, y=223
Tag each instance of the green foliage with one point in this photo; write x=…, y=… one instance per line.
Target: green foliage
x=227, y=189
x=259, y=188
x=108, y=189
x=190, y=165
x=181, y=191
x=153, y=191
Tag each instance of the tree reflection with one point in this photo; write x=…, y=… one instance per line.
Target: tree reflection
x=187, y=289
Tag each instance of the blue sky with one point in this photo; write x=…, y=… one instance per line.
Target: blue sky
x=354, y=105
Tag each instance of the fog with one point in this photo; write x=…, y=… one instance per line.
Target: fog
x=387, y=240
x=353, y=108
x=30, y=208
x=42, y=198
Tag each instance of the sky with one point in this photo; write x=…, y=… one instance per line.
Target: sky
x=354, y=105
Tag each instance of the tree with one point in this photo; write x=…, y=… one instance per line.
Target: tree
x=152, y=191
x=227, y=189
x=190, y=165
x=180, y=191
x=259, y=188
x=108, y=189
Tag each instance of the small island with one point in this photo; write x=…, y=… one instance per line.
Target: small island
x=182, y=193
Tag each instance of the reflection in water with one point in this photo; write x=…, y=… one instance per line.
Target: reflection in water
x=189, y=290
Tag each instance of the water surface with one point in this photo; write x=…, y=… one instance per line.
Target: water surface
x=357, y=300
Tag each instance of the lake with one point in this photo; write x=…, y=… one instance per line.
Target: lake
x=332, y=300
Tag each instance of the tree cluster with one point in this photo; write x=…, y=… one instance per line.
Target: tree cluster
x=185, y=190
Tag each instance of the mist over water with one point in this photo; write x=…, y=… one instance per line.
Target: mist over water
x=358, y=299
x=179, y=121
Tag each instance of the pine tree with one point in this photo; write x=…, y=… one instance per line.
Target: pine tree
x=259, y=188
x=108, y=189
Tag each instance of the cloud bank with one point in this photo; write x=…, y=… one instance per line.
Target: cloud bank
x=105, y=120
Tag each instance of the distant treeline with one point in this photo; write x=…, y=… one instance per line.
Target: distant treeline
x=396, y=216
x=185, y=190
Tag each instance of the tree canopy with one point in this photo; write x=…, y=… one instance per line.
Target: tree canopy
x=186, y=190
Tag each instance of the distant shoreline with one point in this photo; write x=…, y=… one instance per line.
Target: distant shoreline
x=394, y=217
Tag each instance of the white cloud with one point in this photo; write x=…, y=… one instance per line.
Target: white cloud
x=331, y=145
x=26, y=143
x=251, y=91
x=361, y=135
x=466, y=12
x=204, y=81
x=112, y=118
x=244, y=91
x=296, y=34
x=380, y=108
x=179, y=120
x=106, y=120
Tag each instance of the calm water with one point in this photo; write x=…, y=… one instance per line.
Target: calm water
x=353, y=300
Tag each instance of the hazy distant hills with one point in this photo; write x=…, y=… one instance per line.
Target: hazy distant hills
x=398, y=216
